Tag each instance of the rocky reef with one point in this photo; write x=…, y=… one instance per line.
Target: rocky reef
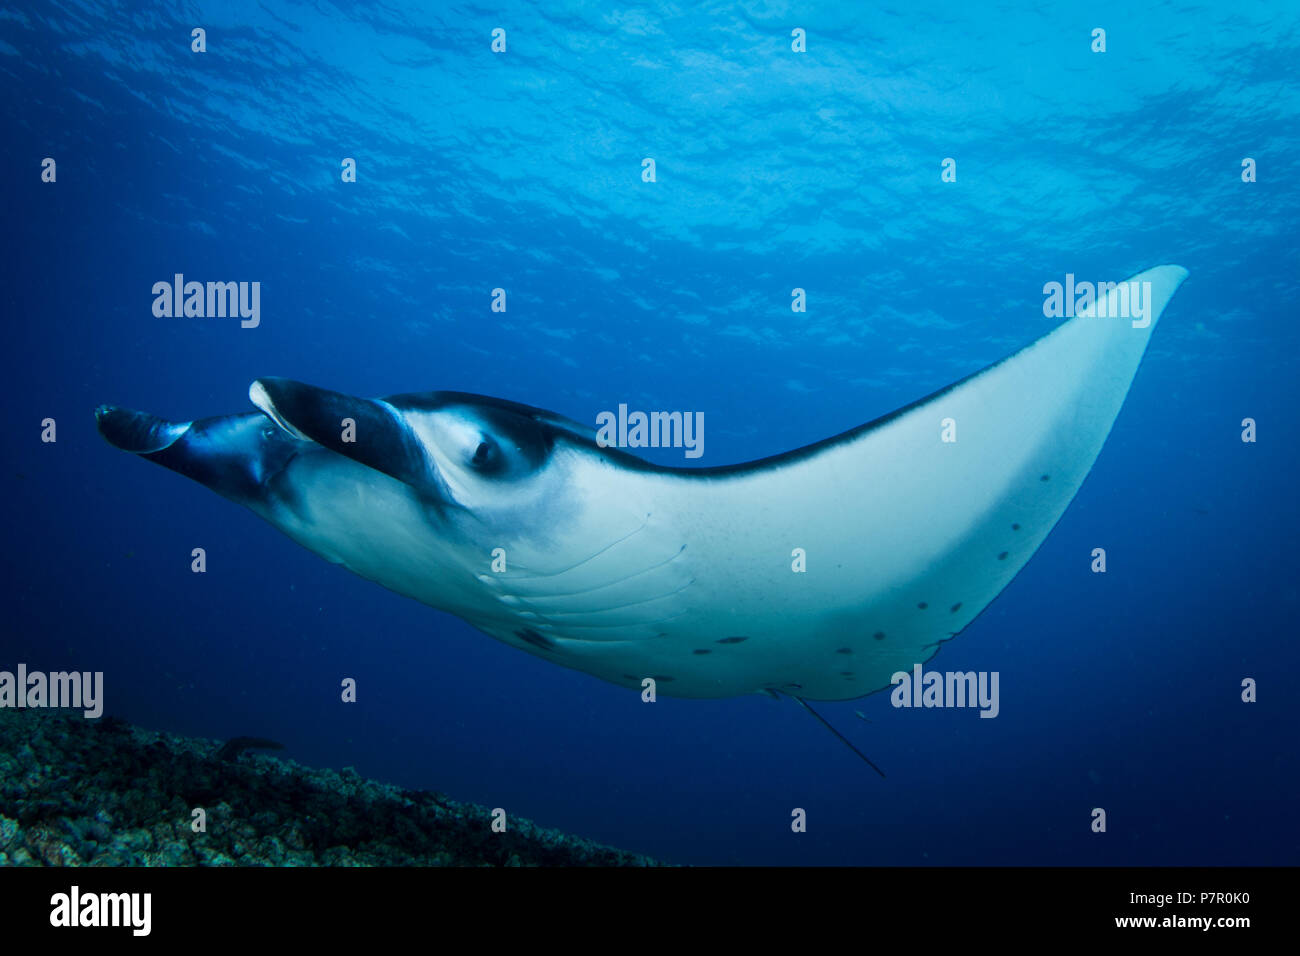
x=77, y=792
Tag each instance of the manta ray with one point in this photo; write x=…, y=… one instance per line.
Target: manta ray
x=817, y=573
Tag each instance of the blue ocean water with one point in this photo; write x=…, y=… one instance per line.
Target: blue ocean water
x=775, y=170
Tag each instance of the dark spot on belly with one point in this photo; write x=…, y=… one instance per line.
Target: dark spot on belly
x=879, y=635
x=1015, y=527
x=700, y=650
x=535, y=639
x=922, y=605
x=731, y=640
x=956, y=607
x=844, y=650
x=1002, y=556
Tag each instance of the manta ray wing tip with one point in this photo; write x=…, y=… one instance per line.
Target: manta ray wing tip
x=1170, y=276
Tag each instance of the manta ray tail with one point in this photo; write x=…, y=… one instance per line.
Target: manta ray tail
x=845, y=740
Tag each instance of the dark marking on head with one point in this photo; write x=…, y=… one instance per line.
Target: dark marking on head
x=1002, y=556
x=844, y=650
x=701, y=650
x=535, y=639
x=558, y=427
x=1015, y=527
x=585, y=436
x=530, y=431
x=1045, y=478
x=846, y=673
x=879, y=635
x=922, y=605
x=731, y=640
x=956, y=607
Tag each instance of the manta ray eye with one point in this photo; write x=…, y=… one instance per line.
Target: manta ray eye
x=486, y=456
x=487, y=443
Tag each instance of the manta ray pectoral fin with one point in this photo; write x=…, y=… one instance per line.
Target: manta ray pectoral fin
x=367, y=431
x=917, y=520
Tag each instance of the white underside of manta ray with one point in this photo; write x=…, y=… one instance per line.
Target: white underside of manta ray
x=627, y=570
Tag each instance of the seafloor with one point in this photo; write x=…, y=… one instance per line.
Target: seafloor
x=77, y=792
